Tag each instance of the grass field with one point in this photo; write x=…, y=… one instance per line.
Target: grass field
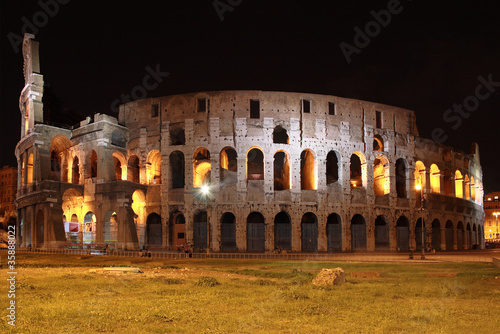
x=59, y=294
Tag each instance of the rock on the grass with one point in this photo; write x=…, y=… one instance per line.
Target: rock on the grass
x=327, y=277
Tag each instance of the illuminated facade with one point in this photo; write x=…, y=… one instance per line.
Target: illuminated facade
x=492, y=216
x=247, y=171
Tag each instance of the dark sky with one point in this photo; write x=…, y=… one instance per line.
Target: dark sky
x=429, y=57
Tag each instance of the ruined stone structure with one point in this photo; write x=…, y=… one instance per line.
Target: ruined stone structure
x=246, y=171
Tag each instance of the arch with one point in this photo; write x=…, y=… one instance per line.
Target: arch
x=177, y=169
x=40, y=229
x=403, y=234
x=381, y=233
x=30, y=171
x=23, y=172
x=177, y=136
x=460, y=235
x=357, y=168
x=309, y=235
x=228, y=232
x=401, y=177
x=448, y=233
x=228, y=166
x=255, y=164
x=154, y=234
x=435, y=179
x=474, y=236
x=177, y=229
x=332, y=167
x=201, y=167
x=447, y=183
x=358, y=233
x=459, y=184
x=334, y=232
x=307, y=170
x=55, y=166
x=282, y=231
x=118, y=139
x=139, y=208
x=381, y=177
x=418, y=234
x=420, y=174
x=110, y=228
x=72, y=204
x=200, y=230
x=378, y=143
x=154, y=167
x=256, y=232
x=133, y=170
x=75, y=171
x=436, y=234
x=89, y=228
x=118, y=168
x=468, y=236
x=281, y=164
x=466, y=187
x=59, y=146
x=92, y=161
x=280, y=135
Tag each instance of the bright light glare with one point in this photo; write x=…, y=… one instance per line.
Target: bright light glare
x=205, y=189
x=418, y=186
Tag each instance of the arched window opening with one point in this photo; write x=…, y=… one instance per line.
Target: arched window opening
x=309, y=228
x=201, y=167
x=334, y=232
x=381, y=179
x=468, y=237
x=255, y=164
x=358, y=233
x=75, y=171
x=177, y=169
x=435, y=179
x=228, y=233
x=177, y=136
x=378, y=143
x=93, y=164
x=118, y=169
x=139, y=208
x=447, y=183
x=30, y=169
x=403, y=234
x=110, y=228
x=401, y=176
x=355, y=171
x=280, y=135
x=332, y=168
x=282, y=232
x=449, y=235
x=133, y=169
x=256, y=233
x=177, y=230
x=154, y=168
x=436, y=234
x=467, y=187
x=228, y=166
x=460, y=236
x=282, y=178
x=23, y=172
x=381, y=233
x=459, y=185
x=89, y=228
x=307, y=171
x=200, y=230
x=153, y=231
x=55, y=166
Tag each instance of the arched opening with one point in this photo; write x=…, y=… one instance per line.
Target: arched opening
x=282, y=231
x=111, y=228
x=334, y=232
x=447, y=183
x=468, y=236
x=118, y=169
x=72, y=203
x=118, y=139
x=59, y=146
x=40, y=229
x=89, y=228
x=154, y=167
x=307, y=171
x=356, y=171
x=378, y=143
x=228, y=166
x=467, y=187
x=133, y=170
x=460, y=235
x=177, y=226
x=309, y=228
x=255, y=164
x=177, y=169
x=474, y=236
x=30, y=169
x=401, y=177
x=418, y=234
x=459, y=184
x=201, y=167
x=381, y=178
x=280, y=135
x=435, y=179
x=154, y=233
x=282, y=178
x=358, y=233
x=436, y=234
x=332, y=167
x=256, y=233
x=75, y=171
x=139, y=208
x=177, y=136
x=55, y=166
x=228, y=233
x=200, y=230
x=403, y=234
x=23, y=173
x=420, y=174
x=93, y=164
x=381, y=233
x=449, y=235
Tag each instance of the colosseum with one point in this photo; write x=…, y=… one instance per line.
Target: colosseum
x=242, y=171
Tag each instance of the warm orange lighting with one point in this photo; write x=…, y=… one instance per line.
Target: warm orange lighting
x=418, y=186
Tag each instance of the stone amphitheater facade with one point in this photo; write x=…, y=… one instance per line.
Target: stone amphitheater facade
x=246, y=171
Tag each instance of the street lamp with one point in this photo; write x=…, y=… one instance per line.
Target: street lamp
x=205, y=194
x=419, y=188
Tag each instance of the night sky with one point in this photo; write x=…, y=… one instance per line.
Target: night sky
x=430, y=56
